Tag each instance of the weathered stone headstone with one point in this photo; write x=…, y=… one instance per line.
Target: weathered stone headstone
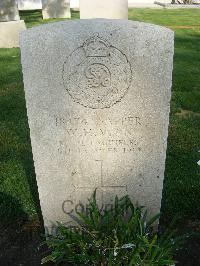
x=56, y=9
x=112, y=9
x=8, y=10
x=74, y=4
x=98, y=99
x=10, y=24
x=29, y=4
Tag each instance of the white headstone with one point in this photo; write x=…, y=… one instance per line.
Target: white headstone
x=74, y=4
x=9, y=33
x=111, y=9
x=98, y=100
x=10, y=24
x=8, y=10
x=56, y=9
x=29, y=4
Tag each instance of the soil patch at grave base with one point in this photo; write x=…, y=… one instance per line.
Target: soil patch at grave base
x=189, y=255
x=20, y=244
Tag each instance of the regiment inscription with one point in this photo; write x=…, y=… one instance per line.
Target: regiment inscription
x=99, y=76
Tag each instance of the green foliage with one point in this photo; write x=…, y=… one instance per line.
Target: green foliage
x=119, y=236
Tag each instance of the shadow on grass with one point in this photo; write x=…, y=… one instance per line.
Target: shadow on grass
x=187, y=38
x=31, y=15
x=10, y=67
x=17, y=168
x=181, y=193
x=186, y=72
x=11, y=209
x=18, y=178
x=27, y=161
x=20, y=239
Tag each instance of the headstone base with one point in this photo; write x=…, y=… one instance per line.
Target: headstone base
x=9, y=33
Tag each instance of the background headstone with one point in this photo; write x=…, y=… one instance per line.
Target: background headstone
x=9, y=33
x=10, y=24
x=113, y=9
x=56, y=9
x=29, y=4
x=74, y=4
x=98, y=100
x=8, y=10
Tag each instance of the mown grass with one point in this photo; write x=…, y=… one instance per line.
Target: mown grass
x=167, y=17
x=18, y=190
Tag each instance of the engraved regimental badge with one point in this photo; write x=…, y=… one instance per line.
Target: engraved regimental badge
x=97, y=75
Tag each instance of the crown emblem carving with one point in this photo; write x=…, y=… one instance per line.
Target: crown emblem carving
x=96, y=47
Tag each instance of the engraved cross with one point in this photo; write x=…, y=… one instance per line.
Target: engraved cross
x=102, y=188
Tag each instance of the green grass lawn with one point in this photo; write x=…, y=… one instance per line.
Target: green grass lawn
x=18, y=190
